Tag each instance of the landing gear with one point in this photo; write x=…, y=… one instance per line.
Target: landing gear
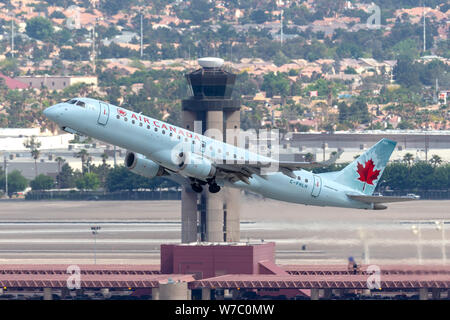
x=214, y=188
x=197, y=187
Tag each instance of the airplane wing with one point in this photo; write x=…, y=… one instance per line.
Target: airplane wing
x=242, y=171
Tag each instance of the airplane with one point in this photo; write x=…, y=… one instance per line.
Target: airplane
x=156, y=148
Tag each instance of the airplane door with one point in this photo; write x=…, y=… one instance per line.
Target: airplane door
x=203, y=148
x=104, y=113
x=317, y=187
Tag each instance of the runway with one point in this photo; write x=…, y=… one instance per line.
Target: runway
x=132, y=231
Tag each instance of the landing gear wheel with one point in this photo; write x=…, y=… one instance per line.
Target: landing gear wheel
x=197, y=188
x=214, y=188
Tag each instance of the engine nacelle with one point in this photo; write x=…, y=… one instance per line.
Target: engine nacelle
x=139, y=164
x=195, y=166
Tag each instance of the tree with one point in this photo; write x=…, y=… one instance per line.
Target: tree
x=113, y=6
x=441, y=177
x=39, y=28
x=84, y=156
x=408, y=158
x=34, y=146
x=10, y=67
x=309, y=157
x=66, y=178
x=198, y=11
x=16, y=182
x=435, y=160
x=259, y=16
x=421, y=175
x=60, y=161
x=102, y=170
x=276, y=84
x=42, y=182
x=406, y=73
x=104, y=157
x=89, y=181
x=120, y=178
x=396, y=176
x=279, y=59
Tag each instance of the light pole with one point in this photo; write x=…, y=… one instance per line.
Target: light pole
x=142, y=36
x=6, y=175
x=440, y=226
x=12, y=36
x=418, y=232
x=95, y=230
x=365, y=242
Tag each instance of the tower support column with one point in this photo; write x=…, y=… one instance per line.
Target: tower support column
x=211, y=104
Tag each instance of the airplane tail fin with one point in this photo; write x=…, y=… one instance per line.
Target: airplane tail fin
x=365, y=172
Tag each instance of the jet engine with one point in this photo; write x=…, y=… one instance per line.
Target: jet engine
x=195, y=166
x=139, y=164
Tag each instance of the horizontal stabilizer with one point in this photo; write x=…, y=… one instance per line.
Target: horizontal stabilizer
x=378, y=199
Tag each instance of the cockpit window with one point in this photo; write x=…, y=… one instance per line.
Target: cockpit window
x=73, y=101
x=81, y=104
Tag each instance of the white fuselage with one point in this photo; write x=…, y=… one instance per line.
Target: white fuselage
x=157, y=141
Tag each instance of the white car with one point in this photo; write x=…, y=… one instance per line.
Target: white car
x=412, y=195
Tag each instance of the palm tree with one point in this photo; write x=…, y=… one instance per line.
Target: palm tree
x=309, y=157
x=104, y=157
x=435, y=160
x=408, y=159
x=84, y=156
x=60, y=162
x=34, y=146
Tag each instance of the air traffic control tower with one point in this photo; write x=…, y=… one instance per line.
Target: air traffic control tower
x=211, y=217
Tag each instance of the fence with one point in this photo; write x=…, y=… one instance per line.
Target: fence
x=93, y=195
x=424, y=194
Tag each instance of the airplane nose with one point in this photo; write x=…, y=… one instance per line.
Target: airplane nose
x=51, y=112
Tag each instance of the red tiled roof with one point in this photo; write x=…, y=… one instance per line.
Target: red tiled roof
x=13, y=83
x=358, y=281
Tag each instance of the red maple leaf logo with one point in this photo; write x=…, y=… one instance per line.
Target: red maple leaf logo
x=121, y=112
x=366, y=173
